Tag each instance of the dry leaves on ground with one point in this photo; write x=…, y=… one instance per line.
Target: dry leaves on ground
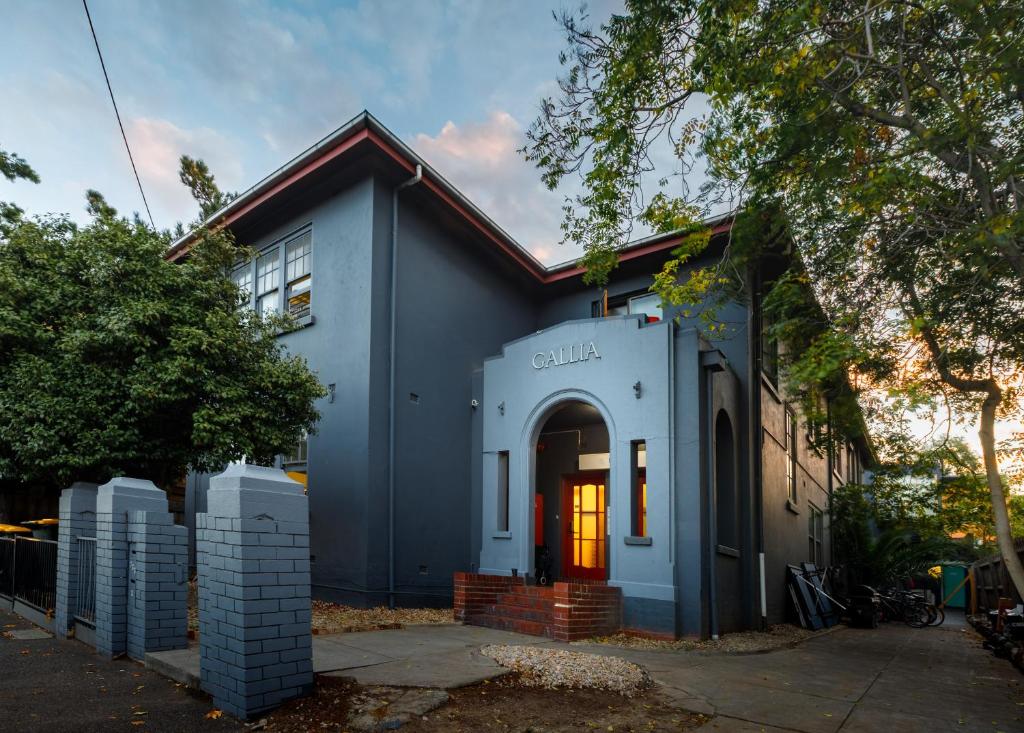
x=776, y=637
x=333, y=618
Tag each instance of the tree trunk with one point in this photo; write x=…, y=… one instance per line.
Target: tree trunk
x=1011, y=560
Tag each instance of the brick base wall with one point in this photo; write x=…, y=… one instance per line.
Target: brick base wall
x=583, y=610
x=565, y=611
x=474, y=592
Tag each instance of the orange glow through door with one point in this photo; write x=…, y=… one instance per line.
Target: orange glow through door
x=584, y=516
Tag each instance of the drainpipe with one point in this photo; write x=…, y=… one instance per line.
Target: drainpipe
x=711, y=557
x=392, y=315
x=755, y=434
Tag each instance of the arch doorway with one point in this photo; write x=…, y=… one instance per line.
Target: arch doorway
x=571, y=495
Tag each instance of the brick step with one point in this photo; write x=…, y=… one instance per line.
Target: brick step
x=521, y=626
x=504, y=610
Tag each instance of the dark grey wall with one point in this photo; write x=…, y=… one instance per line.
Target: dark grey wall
x=455, y=308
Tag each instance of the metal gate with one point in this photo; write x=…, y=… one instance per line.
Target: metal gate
x=85, y=600
x=7, y=567
x=35, y=572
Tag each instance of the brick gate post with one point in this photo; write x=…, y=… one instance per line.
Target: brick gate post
x=77, y=515
x=114, y=500
x=252, y=556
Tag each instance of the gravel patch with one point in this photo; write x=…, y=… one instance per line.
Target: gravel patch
x=777, y=636
x=555, y=668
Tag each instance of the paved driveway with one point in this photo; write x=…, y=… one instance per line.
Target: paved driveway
x=890, y=679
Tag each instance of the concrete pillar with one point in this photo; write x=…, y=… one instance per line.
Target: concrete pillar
x=114, y=500
x=77, y=515
x=157, y=614
x=252, y=548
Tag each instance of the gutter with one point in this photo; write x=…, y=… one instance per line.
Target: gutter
x=393, y=318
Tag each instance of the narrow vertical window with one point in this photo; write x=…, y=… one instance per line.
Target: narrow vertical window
x=638, y=473
x=815, y=536
x=242, y=278
x=791, y=458
x=268, y=280
x=298, y=267
x=295, y=464
x=726, y=504
x=769, y=349
x=503, y=491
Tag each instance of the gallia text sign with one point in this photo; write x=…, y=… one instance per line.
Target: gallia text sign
x=571, y=354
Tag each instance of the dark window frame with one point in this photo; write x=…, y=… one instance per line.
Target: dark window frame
x=284, y=284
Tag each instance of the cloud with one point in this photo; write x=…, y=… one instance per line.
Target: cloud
x=157, y=144
x=481, y=159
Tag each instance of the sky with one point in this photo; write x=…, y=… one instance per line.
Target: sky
x=246, y=85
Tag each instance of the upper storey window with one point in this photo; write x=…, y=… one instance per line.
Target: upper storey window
x=645, y=303
x=298, y=263
x=280, y=278
x=268, y=279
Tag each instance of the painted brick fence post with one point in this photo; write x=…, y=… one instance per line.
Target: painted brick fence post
x=77, y=515
x=157, y=614
x=252, y=556
x=114, y=500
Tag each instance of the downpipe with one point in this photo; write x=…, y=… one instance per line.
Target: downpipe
x=392, y=361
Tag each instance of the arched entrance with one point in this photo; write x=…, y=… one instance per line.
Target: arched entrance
x=571, y=495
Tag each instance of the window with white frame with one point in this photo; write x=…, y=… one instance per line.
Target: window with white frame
x=298, y=274
x=815, y=536
x=268, y=282
x=791, y=456
x=242, y=278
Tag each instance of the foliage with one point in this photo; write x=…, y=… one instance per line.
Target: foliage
x=13, y=167
x=114, y=361
x=887, y=139
x=195, y=174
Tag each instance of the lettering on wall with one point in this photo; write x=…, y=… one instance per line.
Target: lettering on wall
x=571, y=354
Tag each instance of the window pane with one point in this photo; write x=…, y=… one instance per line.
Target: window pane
x=267, y=304
x=649, y=304
x=503, y=491
x=242, y=278
x=267, y=272
x=298, y=256
x=299, y=296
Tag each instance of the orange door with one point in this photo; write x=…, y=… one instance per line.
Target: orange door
x=584, y=516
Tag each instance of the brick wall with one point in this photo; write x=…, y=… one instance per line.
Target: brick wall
x=157, y=613
x=585, y=609
x=475, y=591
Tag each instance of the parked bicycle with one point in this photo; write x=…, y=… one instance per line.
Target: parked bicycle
x=910, y=608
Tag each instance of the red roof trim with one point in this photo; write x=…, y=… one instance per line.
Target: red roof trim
x=512, y=251
x=632, y=254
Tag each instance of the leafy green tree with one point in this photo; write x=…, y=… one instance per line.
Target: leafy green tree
x=13, y=167
x=195, y=174
x=886, y=142
x=114, y=361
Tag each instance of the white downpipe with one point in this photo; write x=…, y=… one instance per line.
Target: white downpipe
x=764, y=600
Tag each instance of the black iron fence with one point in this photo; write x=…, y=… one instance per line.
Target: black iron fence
x=7, y=567
x=35, y=572
x=85, y=601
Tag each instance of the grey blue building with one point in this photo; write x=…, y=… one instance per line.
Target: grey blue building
x=488, y=414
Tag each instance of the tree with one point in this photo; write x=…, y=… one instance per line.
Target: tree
x=195, y=174
x=13, y=167
x=114, y=361
x=887, y=141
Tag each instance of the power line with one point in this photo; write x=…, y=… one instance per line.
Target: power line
x=117, y=114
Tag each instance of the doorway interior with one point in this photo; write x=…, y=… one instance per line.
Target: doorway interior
x=571, y=495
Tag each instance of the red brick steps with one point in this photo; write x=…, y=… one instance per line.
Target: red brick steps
x=564, y=611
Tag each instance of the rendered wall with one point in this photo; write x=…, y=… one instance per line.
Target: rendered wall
x=518, y=398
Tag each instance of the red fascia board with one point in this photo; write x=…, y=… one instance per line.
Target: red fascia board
x=632, y=254
x=511, y=250
x=281, y=185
